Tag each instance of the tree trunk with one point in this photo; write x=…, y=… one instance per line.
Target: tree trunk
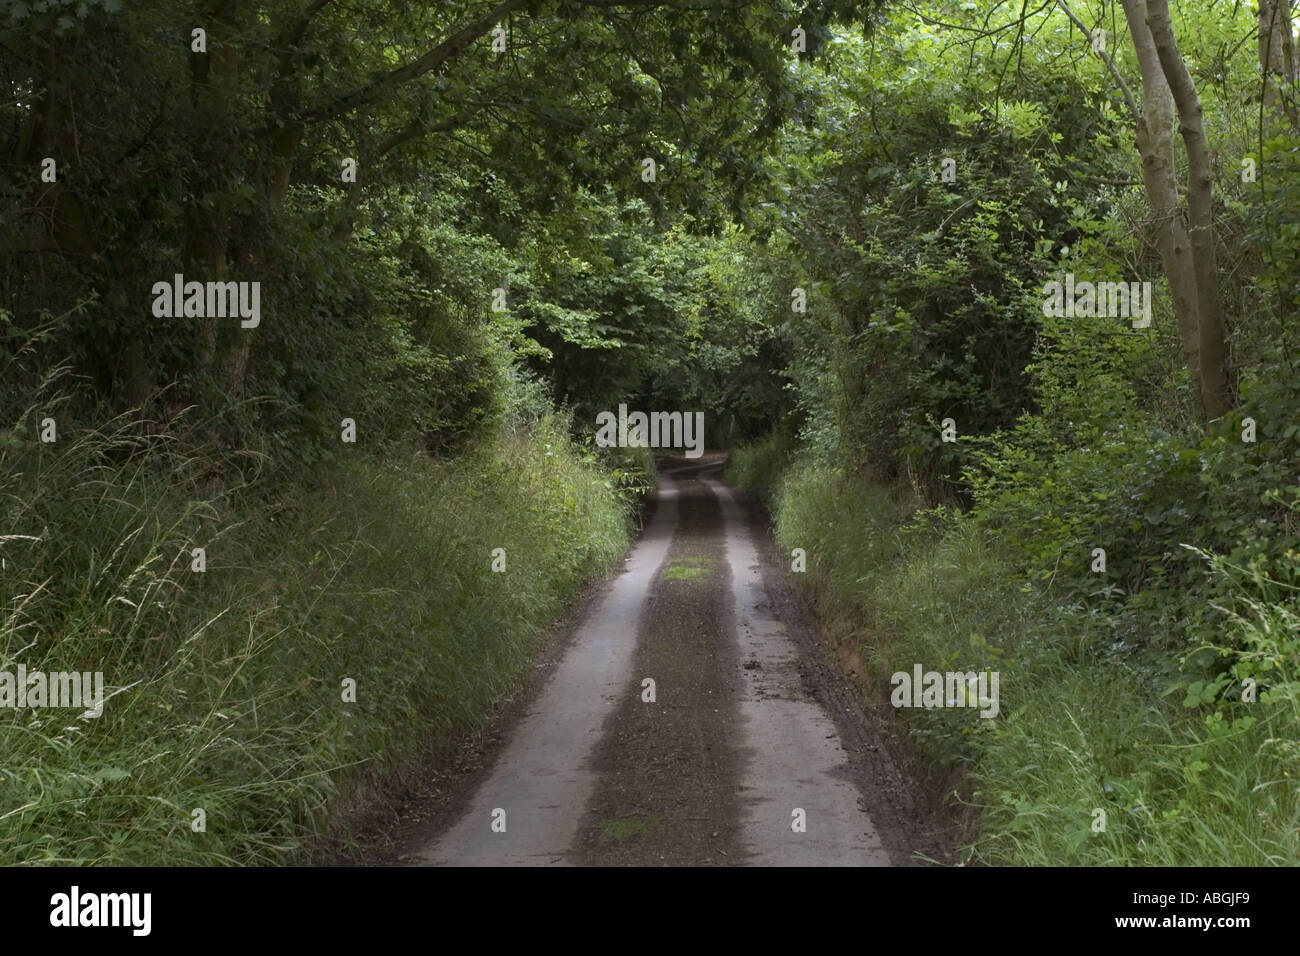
x=1277, y=71
x=1155, y=142
x=1216, y=386
x=214, y=91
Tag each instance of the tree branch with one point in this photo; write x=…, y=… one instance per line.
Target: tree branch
x=417, y=129
x=1110, y=65
x=294, y=34
x=435, y=59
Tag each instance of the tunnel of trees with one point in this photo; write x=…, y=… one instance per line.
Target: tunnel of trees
x=831, y=226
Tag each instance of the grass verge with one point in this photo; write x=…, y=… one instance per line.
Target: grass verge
x=336, y=626
x=1094, y=758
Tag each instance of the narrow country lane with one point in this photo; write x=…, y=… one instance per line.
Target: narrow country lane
x=681, y=726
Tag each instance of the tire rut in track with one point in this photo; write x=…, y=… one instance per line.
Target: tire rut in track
x=668, y=770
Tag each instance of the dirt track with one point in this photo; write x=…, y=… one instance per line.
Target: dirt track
x=750, y=732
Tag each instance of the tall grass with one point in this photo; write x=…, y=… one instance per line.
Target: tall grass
x=757, y=466
x=227, y=686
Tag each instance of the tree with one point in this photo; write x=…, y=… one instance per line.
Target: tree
x=217, y=153
x=1216, y=384
x=1187, y=250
